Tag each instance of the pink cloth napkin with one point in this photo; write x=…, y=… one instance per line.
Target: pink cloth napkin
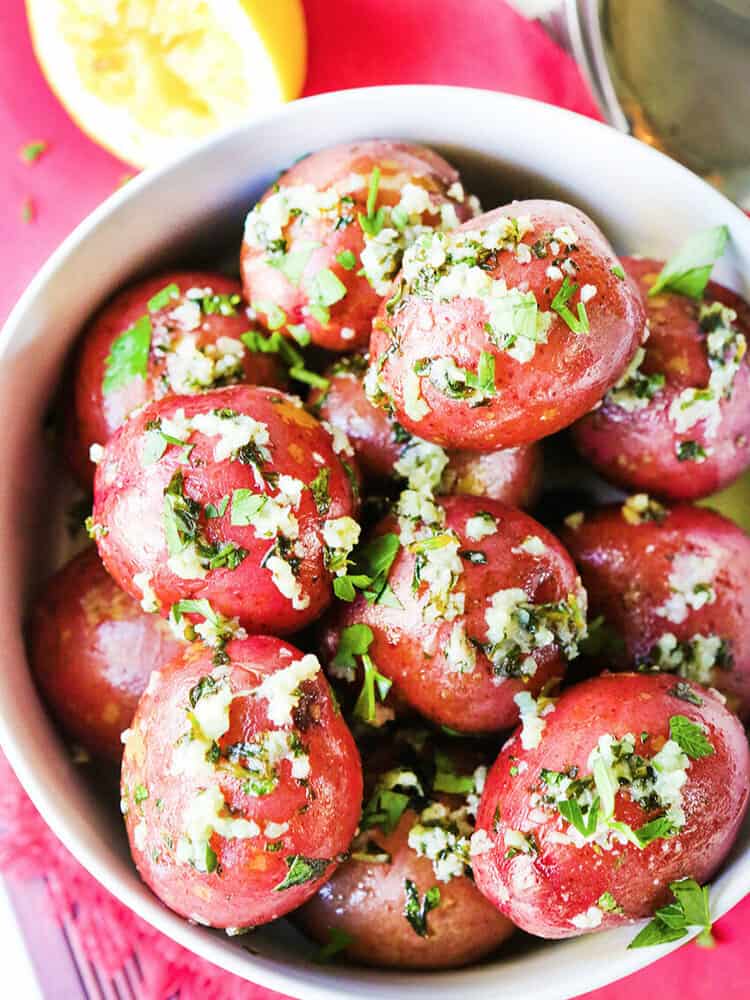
x=353, y=43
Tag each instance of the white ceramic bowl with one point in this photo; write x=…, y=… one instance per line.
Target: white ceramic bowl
x=192, y=210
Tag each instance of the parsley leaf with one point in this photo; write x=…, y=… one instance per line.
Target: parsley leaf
x=163, y=298
x=373, y=222
x=301, y=870
x=384, y=810
x=570, y=810
x=319, y=490
x=217, y=510
x=354, y=642
x=579, y=323
x=416, y=911
x=292, y=264
x=689, y=270
x=275, y=343
x=690, y=737
x=672, y=922
x=347, y=260
x=31, y=152
x=372, y=562
x=128, y=356
x=618, y=272
x=657, y=829
x=246, y=505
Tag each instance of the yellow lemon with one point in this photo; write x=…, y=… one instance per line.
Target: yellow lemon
x=145, y=78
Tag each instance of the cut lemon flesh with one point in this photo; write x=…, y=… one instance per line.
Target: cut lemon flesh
x=146, y=78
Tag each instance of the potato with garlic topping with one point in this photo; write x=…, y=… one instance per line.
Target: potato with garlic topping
x=504, y=330
x=513, y=475
x=677, y=424
x=322, y=244
x=234, y=506
x=241, y=784
x=405, y=898
x=179, y=332
x=669, y=591
x=92, y=649
x=630, y=786
x=466, y=608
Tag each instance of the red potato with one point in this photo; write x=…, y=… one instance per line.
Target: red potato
x=92, y=649
x=142, y=345
x=512, y=475
x=417, y=848
x=505, y=330
x=673, y=589
x=498, y=609
x=305, y=245
x=644, y=437
x=252, y=513
x=241, y=784
x=678, y=762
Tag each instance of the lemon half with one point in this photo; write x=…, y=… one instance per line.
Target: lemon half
x=146, y=78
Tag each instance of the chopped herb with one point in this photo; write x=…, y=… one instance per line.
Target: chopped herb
x=325, y=290
x=446, y=779
x=347, y=260
x=275, y=316
x=683, y=691
x=27, y=210
x=657, y=829
x=210, y=861
x=618, y=272
x=31, y=152
x=578, y=324
x=319, y=490
x=246, y=505
x=689, y=271
x=416, y=911
x=338, y=941
x=290, y=356
x=602, y=640
x=140, y=794
x=128, y=356
x=292, y=264
x=608, y=904
x=302, y=870
x=690, y=451
x=355, y=641
x=206, y=683
x=690, y=737
x=373, y=222
x=223, y=303
x=219, y=510
x=672, y=922
x=571, y=811
x=373, y=562
x=163, y=298
x=372, y=191
x=384, y=810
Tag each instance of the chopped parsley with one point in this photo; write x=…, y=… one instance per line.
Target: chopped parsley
x=213, y=511
x=690, y=737
x=128, y=356
x=618, y=272
x=292, y=264
x=579, y=323
x=275, y=343
x=163, y=298
x=373, y=222
x=302, y=870
x=372, y=563
x=415, y=910
x=690, y=451
x=320, y=491
x=324, y=290
x=689, y=270
x=354, y=642
x=347, y=260
x=31, y=152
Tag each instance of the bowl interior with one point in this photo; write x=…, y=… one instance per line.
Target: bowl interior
x=191, y=212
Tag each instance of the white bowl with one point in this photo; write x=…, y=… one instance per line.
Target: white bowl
x=193, y=209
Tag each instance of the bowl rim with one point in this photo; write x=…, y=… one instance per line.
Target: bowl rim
x=265, y=971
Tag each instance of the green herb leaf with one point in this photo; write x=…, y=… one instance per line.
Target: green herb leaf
x=690, y=737
x=690, y=451
x=372, y=224
x=292, y=264
x=354, y=641
x=606, y=786
x=275, y=316
x=416, y=911
x=31, y=152
x=347, y=260
x=689, y=271
x=374, y=560
x=325, y=289
x=657, y=829
x=384, y=810
x=618, y=272
x=302, y=870
x=608, y=904
x=219, y=510
x=671, y=922
x=128, y=356
x=246, y=505
x=374, y=686
x=578, y=324
x=338, y=941
x=446, y=779
x=372, y=191
x=319, y=490
x=163, y=298
x=309, y=378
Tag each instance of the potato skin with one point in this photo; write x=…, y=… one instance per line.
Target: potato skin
x=413, y=652
x=625, y=568
x=512, y=475
x=367, y=902
x=639, y=450
x=542, y=892
x=351, y=317
x=321, y=814
x=565, y=377
x=96, y=415
x=92, y=650
x=130, y=496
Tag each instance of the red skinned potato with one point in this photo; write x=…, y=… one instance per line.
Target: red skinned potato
x=671, y=588
x=92, y=649
x=669, y=774
x=513, y=475
x=241, y=784
x=482, y=603
x=237, y=497
x=176, y=332
x=336, y=213
x=504, y=330
x=678, y=423
x=413, y=846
